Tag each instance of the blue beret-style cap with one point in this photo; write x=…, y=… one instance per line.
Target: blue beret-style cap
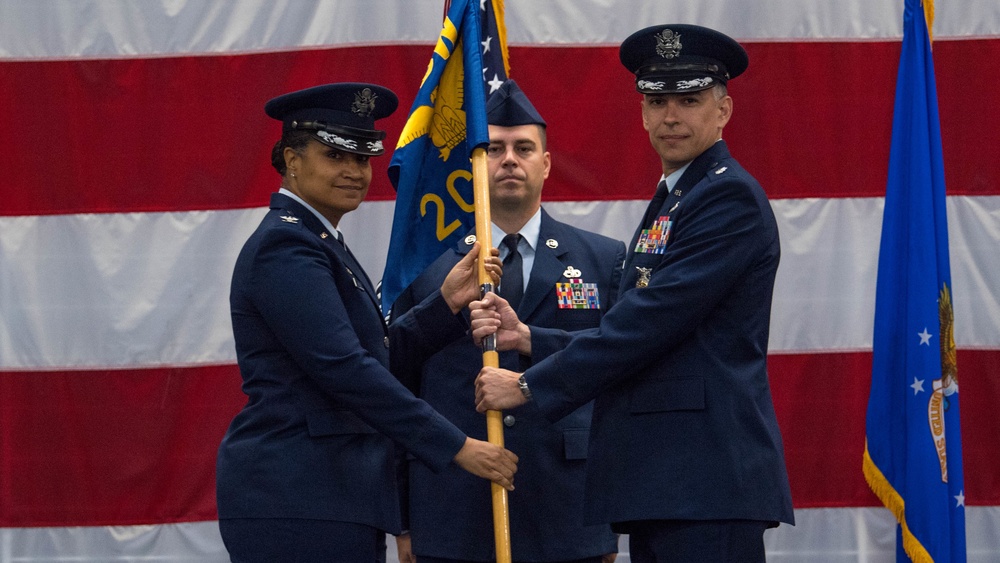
x=675, y=58
x=510, y=107
x=340, y=115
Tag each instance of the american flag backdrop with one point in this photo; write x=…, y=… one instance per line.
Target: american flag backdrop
x=135, y=162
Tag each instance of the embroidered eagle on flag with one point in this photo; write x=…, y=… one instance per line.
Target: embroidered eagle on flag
x=948, y=384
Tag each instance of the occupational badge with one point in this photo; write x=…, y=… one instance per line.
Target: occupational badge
x=643, y=276
x=577, y=295
x=654, y=239
x=289, y=218
x=572, y=272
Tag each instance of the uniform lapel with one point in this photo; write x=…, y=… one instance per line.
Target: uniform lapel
x=354, y=269
x=311, y=222
x=694, y=174
x=547, y=269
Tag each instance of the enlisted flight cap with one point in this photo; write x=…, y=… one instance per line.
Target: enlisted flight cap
x=676, y=58
x=510, y=107
x=339, y=115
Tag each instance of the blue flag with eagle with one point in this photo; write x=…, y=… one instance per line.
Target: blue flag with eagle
x=913, y=453
x=431, y=168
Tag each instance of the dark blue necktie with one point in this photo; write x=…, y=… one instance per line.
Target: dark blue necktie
x=655, y=204
x=647, y=219
x=512, y=284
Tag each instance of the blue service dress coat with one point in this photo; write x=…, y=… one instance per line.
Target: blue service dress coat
x=433, y=354
x=313, y=440
x=684, y=425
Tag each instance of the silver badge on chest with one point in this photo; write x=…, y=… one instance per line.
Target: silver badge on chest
x=643, y=276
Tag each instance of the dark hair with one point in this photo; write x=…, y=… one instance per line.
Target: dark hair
x=295, y=139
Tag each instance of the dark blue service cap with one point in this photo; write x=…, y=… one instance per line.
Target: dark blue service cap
x=340, y=115
x=676, y=58
x=510, y=107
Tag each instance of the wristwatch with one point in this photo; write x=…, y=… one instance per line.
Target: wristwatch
x=523, y=385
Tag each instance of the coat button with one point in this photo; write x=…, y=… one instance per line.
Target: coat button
x=386, y=341
x=509, y=420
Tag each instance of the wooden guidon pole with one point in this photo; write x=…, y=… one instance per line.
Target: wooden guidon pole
x=494, y=419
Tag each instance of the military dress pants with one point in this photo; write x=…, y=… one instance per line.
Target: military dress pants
x=697, y=541
x=293, y=540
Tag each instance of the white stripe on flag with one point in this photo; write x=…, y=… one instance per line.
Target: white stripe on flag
x=820, y=534
x=77, y=286
x=108, y=28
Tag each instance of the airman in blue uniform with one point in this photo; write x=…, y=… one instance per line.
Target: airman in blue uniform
x=563, y=279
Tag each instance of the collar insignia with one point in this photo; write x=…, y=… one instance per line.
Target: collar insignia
x=552, y=243
x=470, y=240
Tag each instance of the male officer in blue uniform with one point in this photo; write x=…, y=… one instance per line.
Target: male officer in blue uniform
x=685, y=451
x=564, y=279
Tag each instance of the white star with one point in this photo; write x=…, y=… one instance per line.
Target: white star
x=925, y=337
x=918, y=385
x=484, y=74
x=486, y=44
x=482, y=5
x=495, y=83
x=960, y=497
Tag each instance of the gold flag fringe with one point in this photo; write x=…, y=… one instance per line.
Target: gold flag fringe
x=894, y=502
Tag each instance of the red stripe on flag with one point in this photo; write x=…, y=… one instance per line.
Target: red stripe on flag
x=139, y=446
x=167, y=134
x=821, y=401
x=112, y=447
x=170, y=134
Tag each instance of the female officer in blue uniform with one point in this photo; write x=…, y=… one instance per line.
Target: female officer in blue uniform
x=306, y=470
